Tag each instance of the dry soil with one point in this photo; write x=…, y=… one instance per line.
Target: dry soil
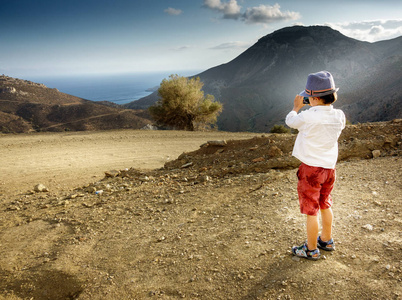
x=217, y=223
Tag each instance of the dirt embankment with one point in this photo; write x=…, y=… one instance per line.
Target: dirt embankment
x=217, y=223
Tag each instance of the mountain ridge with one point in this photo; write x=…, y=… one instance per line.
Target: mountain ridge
x=257, y=87
x=26, y=106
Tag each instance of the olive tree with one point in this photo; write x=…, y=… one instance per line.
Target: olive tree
x=182, y=104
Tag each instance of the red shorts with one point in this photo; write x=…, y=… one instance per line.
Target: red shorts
x=314, y=188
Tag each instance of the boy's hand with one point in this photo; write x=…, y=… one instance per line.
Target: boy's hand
x=298, y=103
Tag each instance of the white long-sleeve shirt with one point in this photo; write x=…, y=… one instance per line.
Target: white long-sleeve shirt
x=319, y=128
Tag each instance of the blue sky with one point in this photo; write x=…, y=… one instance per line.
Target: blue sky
x=76, y=37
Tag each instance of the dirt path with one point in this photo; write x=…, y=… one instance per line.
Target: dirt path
x=84, y=119
x=66, y=160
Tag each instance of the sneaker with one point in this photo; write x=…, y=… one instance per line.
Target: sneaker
x=327, y=246
x=302, y=251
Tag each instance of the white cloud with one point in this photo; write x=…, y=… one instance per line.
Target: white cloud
x=370, y=31
x=181, y=48
x=213, y=4
x=230, y=9
x=263, y=14
x=173, y=11
x=232, y=45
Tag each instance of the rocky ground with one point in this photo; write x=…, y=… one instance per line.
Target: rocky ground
x=215, y=223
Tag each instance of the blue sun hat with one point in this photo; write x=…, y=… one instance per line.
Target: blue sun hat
x=319, y=84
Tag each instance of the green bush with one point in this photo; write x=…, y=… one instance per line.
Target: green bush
x=280, y=129
x=182, y=105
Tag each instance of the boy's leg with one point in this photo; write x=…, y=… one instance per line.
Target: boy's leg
x=312, y=232
x=326, y=218
x=325, y=206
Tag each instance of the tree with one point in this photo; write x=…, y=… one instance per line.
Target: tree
x=182, y=104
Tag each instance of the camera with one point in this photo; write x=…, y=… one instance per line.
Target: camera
x=306, y=100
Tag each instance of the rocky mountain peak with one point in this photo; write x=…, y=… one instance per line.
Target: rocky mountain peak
x=289, y=35
x=257, y=88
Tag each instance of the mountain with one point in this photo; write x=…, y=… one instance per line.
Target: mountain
x=257, y=88
x=27, y=106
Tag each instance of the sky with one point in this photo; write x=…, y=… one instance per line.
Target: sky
x=78, y=37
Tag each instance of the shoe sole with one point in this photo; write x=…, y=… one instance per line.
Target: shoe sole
x=307, y=257
x=325, y=248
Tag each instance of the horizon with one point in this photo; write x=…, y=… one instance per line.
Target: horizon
x=113, y=38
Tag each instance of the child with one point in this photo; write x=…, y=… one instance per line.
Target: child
x=316, y=147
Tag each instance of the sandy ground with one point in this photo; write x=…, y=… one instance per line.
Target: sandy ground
x=213, y=230
x=66, y=160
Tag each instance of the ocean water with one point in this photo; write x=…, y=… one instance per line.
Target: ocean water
x=120, y=89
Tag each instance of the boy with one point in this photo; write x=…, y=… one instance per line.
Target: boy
x=316, y=147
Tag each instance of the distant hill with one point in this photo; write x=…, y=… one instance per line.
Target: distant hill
x=27, y=106
x=258, y=87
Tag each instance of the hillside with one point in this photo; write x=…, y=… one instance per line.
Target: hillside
x=27, y=106
x=214, y=223
x=257, y=88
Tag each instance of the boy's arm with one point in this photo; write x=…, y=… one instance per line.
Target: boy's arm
x=298, y=103
x=294, y=120
x=343, y=121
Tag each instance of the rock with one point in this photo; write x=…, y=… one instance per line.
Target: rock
x=376, y=153
x=217, y=143
x=143, y=178
x=90, y=189
x=186, y=165
x=369, y=227
x=14, y=207
x=204, y=178
x=8, y=89
x=39, y=188
x=149, y=127
x=274, y=151
x=112, y=173
x=259, y=159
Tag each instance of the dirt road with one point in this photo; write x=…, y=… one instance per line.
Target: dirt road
x=65, y=160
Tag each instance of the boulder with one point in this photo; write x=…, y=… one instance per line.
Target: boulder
x=39, y=188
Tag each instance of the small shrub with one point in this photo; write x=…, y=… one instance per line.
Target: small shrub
x=280, y=129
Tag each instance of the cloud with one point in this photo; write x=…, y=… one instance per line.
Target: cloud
x=230, y=9
x=370, y=31
x=232, y=45
x=181, y=48
x=173, y=11
x=266, y=14
x=263, y=14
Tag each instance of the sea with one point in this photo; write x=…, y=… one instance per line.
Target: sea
x=116, y=88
